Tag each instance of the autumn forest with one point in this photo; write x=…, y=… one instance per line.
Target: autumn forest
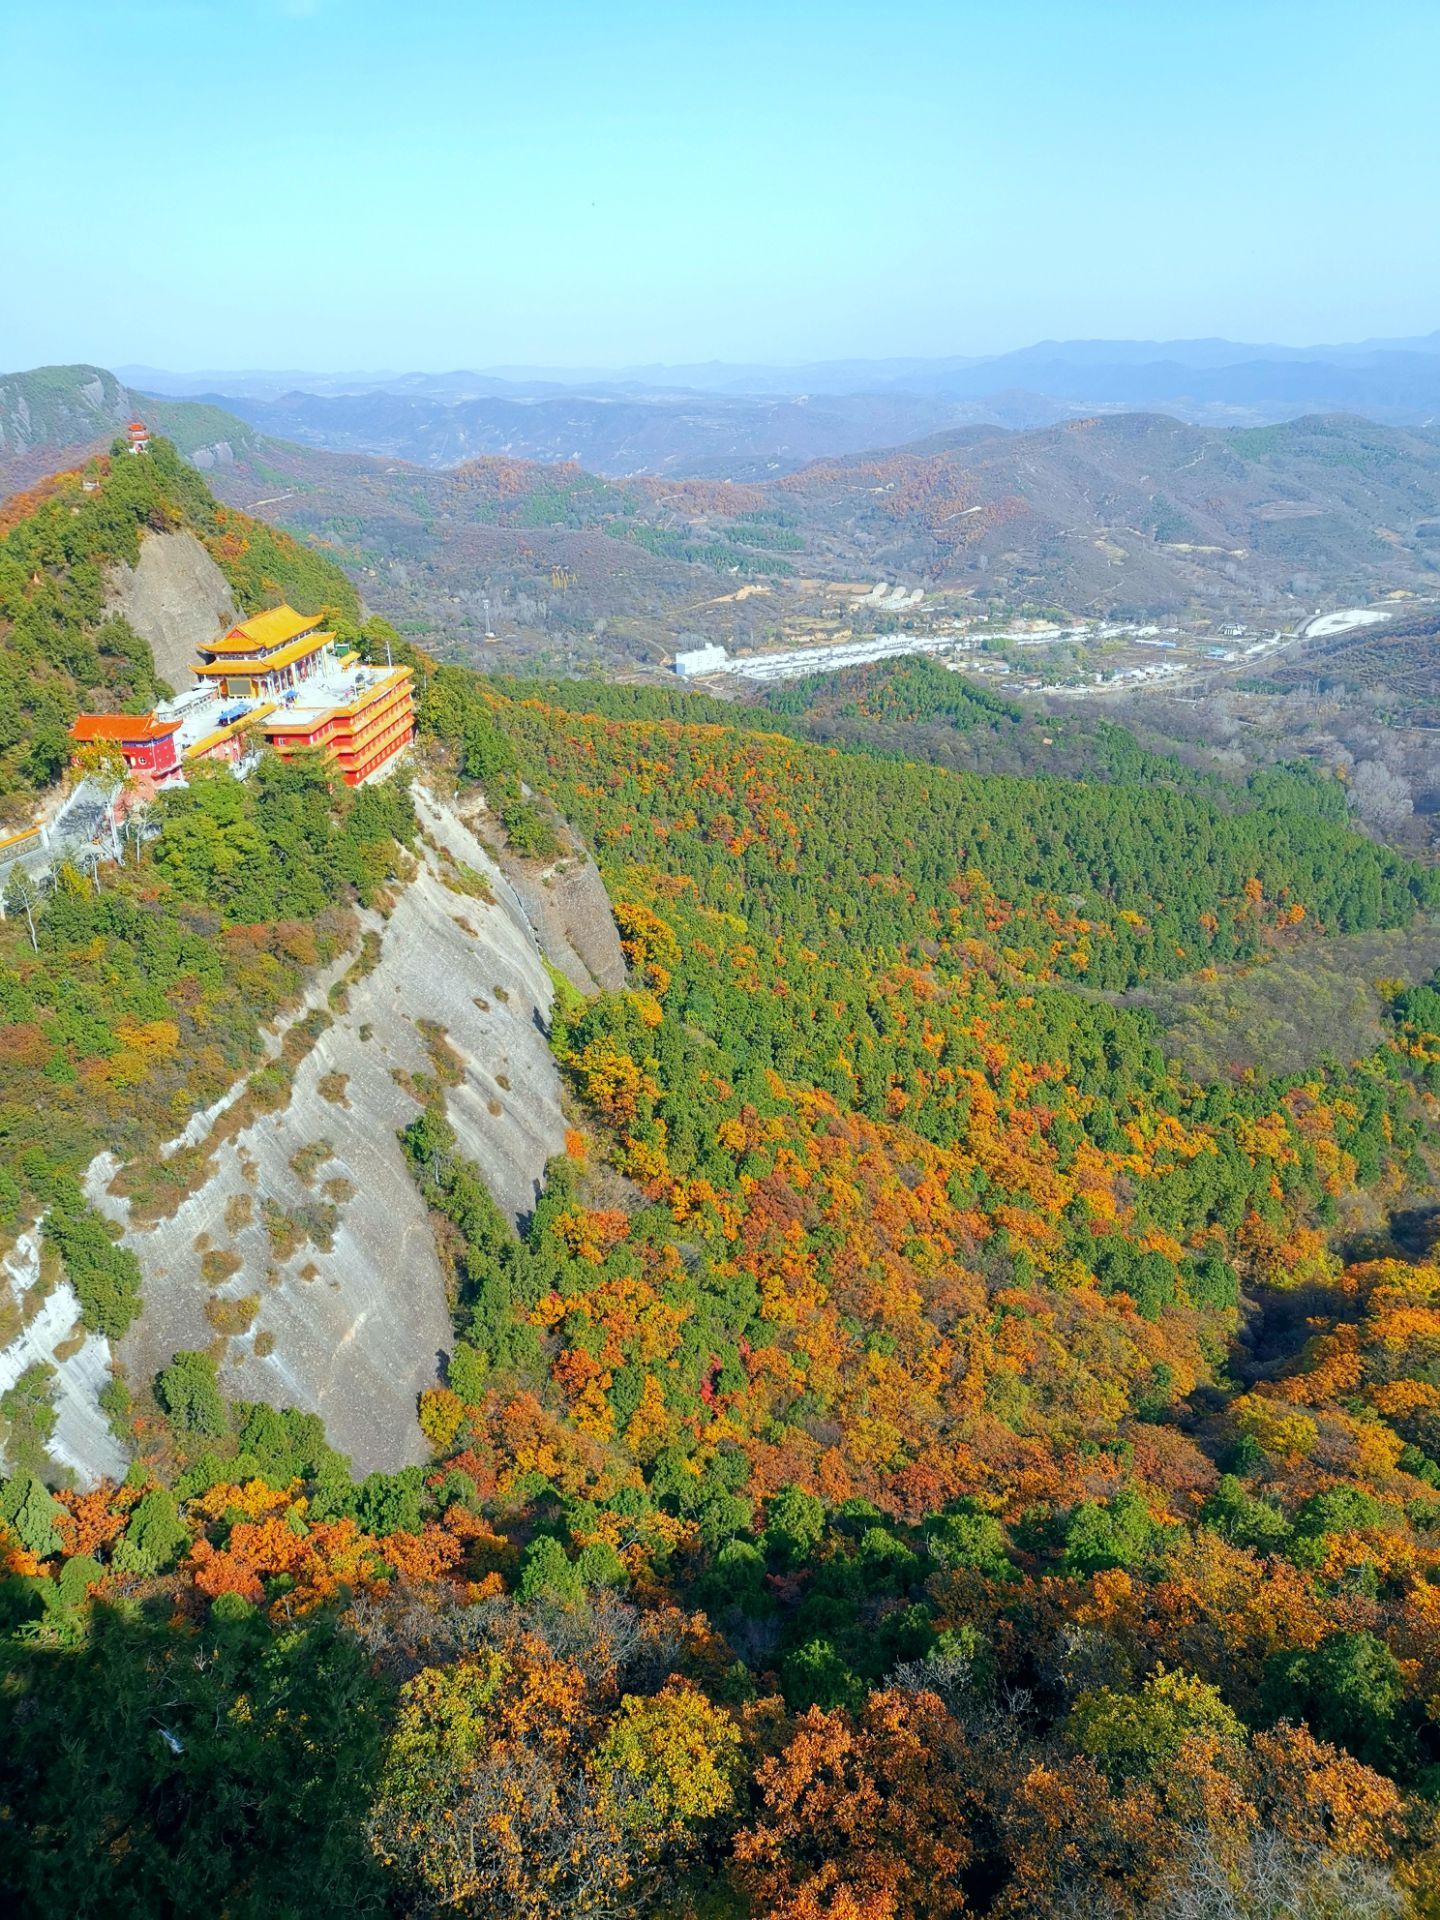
x=929, y=1451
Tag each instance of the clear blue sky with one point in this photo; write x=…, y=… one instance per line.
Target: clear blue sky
x=442, y=183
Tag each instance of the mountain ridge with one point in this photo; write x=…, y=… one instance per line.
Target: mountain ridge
x=760, y=376
x=1119, y=515
x=56, y=415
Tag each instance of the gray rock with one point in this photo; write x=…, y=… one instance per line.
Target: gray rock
x=82, y=1440
x=175, y=597
x=360, y=1329
x=566, y=904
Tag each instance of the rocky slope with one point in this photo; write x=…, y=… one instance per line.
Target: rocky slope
x=300, y=1247
x=175, y=597
x=58, y=406
x=51, y=1335
x=564, y=902
x=306, y=1231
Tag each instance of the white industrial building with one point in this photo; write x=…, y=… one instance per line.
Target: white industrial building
x=709, y=659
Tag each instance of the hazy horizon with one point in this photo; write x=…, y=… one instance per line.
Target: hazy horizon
x=587, y=366
x=328, y=183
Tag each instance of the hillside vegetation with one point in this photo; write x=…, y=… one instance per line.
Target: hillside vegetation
x=1119, y=517
x=60, y=653
x=564, y=567
x=929, y=1453
x=58, y=406
x=50, y=417
x=1137, y=512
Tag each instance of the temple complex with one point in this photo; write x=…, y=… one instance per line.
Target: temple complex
x=277, y=680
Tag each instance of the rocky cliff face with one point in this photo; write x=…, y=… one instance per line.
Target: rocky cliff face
x=54, y=417
x=175, y=597
x=307, y=1232
x=220, y=454
x=58, y=407
x=565, y=903
x=51, y=1335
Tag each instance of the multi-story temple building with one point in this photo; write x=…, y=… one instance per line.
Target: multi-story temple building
x=277, y=680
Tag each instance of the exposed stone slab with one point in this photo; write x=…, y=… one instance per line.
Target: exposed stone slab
x=566, y=904
x=82, y=1440
x=176, y=598
x=355, y=1331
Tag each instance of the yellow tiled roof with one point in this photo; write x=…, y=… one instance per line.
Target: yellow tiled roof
x=263, y=630
x=286, y=656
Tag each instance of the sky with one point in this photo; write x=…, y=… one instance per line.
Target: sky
x=347, y=184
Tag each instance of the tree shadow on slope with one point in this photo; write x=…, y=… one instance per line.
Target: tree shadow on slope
x=157, y=1769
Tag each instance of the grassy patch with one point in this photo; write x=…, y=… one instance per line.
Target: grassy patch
x=239, y=1212
x=569, y=1001
x=71, y=1344
x=448, y=1064
x=464, y=880
x=331, y=1087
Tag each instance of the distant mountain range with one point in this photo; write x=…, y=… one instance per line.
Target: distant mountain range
x=620, y=434
x=816, y=376
x=1400, y=384
x=752, y=422
x=1112, y=515
x=1135, y=515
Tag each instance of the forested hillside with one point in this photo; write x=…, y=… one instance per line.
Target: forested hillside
x=1123, y=516
x=57, y=407
x=1175, y=510
x=52, y=417
x=925, y=1455
x=61, y=651
x=912, y=708
x=569, y=558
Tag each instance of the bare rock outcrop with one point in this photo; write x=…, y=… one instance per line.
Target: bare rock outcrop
x=50, y=1335
x=570, y=911
x=307, y=1246
x=175, y=597
x=219, y=454
x=566, y=902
